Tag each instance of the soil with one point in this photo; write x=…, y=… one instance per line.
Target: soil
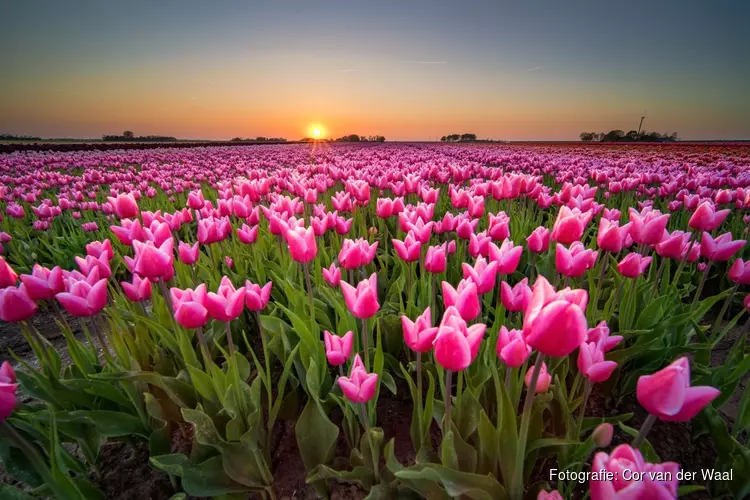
x=125, y=472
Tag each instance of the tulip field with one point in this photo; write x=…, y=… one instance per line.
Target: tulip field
x=386, y=321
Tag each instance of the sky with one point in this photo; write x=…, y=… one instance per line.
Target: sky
x=406, y=69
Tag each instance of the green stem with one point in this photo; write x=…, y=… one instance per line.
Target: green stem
x=517, y=484
x=365, y=343
x=586, y=394
x=662, y=265
x=29, y=450
x=448, y=402
x=641, y=437
x=204, y=348
x=420, y=413
x=309, y=294
x=724, y=308
x=684, y=259
x=702, y=283
x=230, y=341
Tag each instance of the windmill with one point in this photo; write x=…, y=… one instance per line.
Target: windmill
x=641, y=124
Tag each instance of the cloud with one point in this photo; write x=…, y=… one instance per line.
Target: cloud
x=535, y=68
x=423, y=62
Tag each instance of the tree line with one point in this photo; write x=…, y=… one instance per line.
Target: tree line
x=459, y=138
x=360, y=138
x=129, y=136
x=631, y=136
x=11, y=137
x=260, y=138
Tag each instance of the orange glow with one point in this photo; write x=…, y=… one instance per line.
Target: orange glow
x=317, y=131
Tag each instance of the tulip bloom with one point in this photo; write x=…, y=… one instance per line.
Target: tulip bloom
x=43, y=283
x=601, y=337
x=227, y=303
x=668, y=396
x=674, y=246
x=356, y=253
x=97, y=248
x=195, y=200
x=189, y=306
x=138, y=291
x=332, y=275
x=15, y=304
x=86, y=265
x=8, y=387
x=303, y=246
x=482, y=274
x=507, y=256
x=739, y=272
x=129, y=231
x=543, y=381
x=648, y=228
x=8, y=276
x=515, y=299
x=247, y=235
x=82, y=299
x=643, y=481
x=575, y=261
x=420, y=334
x=611, y=236
x=338, y=349
x=456, y=345
x=512, y=348
x=124, y=205
x=435, y=260
x=633, y=265
x=359, y=386
x=720, y=249
x=363, y=300
x=538, y=240
x=555, y=323
x=152, y=262
x=408, y=250
x=549, y=495
x=465, y=298
x=706, y=218
x=592, y=365
x=569, y=225
x=256, y=298
x=499, y=226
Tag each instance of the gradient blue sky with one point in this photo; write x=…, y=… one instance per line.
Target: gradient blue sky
x=405, y=69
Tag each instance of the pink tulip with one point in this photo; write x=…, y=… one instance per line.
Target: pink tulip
x=247, y=235
x=408, y=250
x=435, y=260
x=482, y=274
x=601, y=337
x=555, y=323
x=575, y=261
x=363, y=300
x=515, y=299
x=647, y=228
x=338, y=349
x=512, y=348
x=332, y=275
x=82, y=299
x=97, y=248
x=569, y=225
x=124, y=206
x=227, y=303
x=195, y=200
x=87, y=264
x=8, y=276
x=43, y=283
x=152, y=262
x=674, y=246
x=592, y=365
x=633, y=265
x=8, y=387
x=212, y=230
x=343, y=225
x=538, y=240
x=499, y=226
x=739, y=272
x=420, y=334
x=465, y=298
x=667, y=394
x=188, y=254
x=543, y=381
x=15, y=304
x=137, y=291
x=706, y=218
x=611, y=236
x=507, y=256
x=720, y=249
x=746, y=302
x=359, y=386
x=549, y=495
x=456, y=345
x=302, y=244
x=256, y=298
x=189, y=306
x=229, y=262
x=356, y=253
x=642, y=481
x=129, y=231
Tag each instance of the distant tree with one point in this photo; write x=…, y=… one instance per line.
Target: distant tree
x=468, y=137
x=588, y=136
x=443, y=139
x=128, y=134
x=613, y=136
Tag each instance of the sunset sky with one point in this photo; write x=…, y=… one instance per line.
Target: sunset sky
x=409, y=70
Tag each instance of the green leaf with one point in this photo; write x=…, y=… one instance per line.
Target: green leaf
x=547, y=442
x=205, y=479
x=108, y=423
x=457, y=483
x=316, y=435
x=8, y=492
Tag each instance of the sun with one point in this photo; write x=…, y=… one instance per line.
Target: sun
x=316, y=131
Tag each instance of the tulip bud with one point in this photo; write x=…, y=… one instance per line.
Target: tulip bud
x=603, y=435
